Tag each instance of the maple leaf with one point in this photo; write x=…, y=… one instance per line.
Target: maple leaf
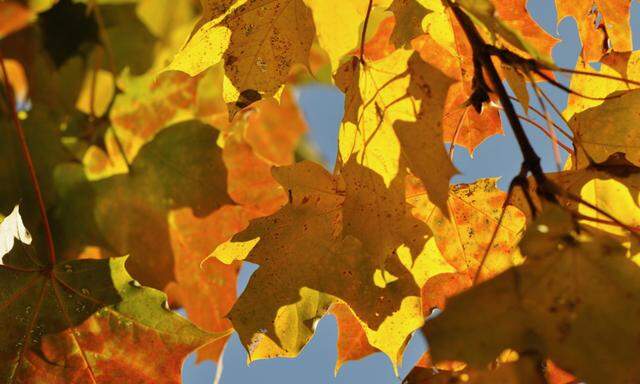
x=97, y=91
x=555, y=375
x=17, y=79
x=608, y=194
x=264, y=135
x=42, y=134
x=560, y=303
x=408, y=21
x=13, y=17
x=512, y=25
x=392, y=226
x=11, y=229
x=83, y=320
x=305, y=234
x=124, y=162
x=598, y=89
x=522, y=370
x=461, y=123
x=148, y=105
x=445, y=47
x=128, y=36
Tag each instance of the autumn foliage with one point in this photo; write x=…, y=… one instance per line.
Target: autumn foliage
x=148, y=148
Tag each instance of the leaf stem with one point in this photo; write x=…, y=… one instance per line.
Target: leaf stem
x=364, y=31
x=27, y=157
x=545, y=131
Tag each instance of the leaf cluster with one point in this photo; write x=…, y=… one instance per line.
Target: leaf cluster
x=169, y=133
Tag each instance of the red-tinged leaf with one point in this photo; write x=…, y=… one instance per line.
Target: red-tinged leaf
x=556, y=375
x=380, y=45
x=352, y=339
x=462, y=123
x=262, y=136
x=13, y=16
x=207, y=290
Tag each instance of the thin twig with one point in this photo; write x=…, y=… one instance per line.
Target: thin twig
x=539, y=113
x=104, y=36
x=27, y=157
x=554, y=137
x=555, y=109
x=575, y=141
x=543, y=129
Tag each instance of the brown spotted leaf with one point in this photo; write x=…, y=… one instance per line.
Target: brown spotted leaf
x=259, y=41
x=464, y=231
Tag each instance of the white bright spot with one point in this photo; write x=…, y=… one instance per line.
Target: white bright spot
x=12, y=228
x=543, y=228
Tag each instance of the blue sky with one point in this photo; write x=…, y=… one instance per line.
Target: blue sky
x=497, y=157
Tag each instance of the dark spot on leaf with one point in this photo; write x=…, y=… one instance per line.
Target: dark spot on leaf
x=248, y=97
x=230, y=59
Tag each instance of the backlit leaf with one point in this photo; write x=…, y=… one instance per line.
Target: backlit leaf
x=608, y=128
x=602, y=25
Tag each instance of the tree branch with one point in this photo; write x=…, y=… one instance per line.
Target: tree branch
x=482, y=60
